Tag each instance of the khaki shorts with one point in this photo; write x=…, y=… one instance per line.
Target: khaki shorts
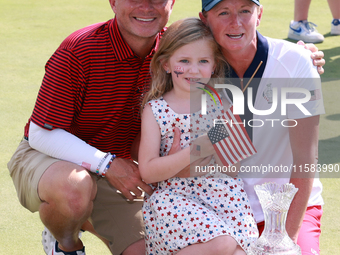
x=26, y=168
x=113, y=217
x=116, y=219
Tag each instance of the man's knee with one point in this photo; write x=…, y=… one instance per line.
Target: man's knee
x=68, y=188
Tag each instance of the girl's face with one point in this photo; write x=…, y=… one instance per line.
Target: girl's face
x=191, y=65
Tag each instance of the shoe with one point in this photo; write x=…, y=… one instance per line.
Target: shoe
x=305, y=31
x=335, y=27
x=48, y=241
x=57, y=251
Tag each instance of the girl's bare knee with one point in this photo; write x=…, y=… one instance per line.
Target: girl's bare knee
x=224, y=245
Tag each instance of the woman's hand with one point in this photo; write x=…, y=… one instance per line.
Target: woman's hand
x=317, y=56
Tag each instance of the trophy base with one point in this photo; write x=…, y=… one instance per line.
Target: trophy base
x=275, y=246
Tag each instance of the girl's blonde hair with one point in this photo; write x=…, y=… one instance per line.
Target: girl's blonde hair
x=180, y=33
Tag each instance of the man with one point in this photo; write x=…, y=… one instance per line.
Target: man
x=233, y=24
x=87, y=108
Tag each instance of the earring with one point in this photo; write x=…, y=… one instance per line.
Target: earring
x=167, y=71
x=212, y=72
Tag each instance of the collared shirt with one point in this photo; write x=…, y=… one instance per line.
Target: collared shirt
x=93, y=87
x=261, y=55
x=285, y=65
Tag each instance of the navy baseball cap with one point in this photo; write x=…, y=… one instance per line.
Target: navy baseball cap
x=207, y=5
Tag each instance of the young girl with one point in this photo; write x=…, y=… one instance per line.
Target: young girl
x=205, y=215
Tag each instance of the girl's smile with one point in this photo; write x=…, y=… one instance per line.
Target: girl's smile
x=191, y=65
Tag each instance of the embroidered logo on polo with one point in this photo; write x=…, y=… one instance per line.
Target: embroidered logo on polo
x=268, y=94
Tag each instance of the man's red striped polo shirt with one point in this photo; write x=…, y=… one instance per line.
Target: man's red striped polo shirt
x=92, y=88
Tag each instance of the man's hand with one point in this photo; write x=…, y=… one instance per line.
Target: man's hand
x=176, y=146
x=123, y=174
x=317, y=56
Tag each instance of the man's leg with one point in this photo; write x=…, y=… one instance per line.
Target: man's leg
x=87, y=226
x=67, y=192
x=301, y=8
x=118, y=220
x=300, y=28
x=334, y=6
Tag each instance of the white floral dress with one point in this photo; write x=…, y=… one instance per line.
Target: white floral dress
x=185, y=211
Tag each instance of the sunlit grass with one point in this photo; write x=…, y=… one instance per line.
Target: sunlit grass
x=30, y=31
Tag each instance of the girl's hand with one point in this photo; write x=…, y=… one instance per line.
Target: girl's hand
x=201, y=148
x=176, y=145
x=187, y=171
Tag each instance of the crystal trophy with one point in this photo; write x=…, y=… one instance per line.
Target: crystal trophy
x=275, y=200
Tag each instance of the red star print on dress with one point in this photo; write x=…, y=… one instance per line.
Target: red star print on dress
x=185, y=211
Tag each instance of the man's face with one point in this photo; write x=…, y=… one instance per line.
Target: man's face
x=233, y=24
x=139, y=19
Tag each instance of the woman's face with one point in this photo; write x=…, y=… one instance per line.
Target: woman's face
x=233, y=24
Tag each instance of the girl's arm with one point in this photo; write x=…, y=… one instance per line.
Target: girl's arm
x=152, y=167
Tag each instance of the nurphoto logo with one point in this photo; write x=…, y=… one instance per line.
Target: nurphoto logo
x=238, y=102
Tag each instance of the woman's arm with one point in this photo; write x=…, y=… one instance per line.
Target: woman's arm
x=154, y=168
x=304, y=143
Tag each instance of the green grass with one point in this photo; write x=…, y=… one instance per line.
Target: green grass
x=31, y=30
